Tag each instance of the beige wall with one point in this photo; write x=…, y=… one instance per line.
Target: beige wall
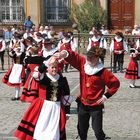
x=78, y=1
x=137, y=12
x=104, y=4
x=32, y=8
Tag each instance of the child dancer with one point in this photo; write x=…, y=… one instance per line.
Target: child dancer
x=132, y=71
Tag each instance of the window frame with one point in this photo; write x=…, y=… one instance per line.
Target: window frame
x=11, y=11
x=57, y=12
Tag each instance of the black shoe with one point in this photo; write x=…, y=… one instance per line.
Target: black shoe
x=132, y=86
x=66, y=71
x=14, y=98
x=107, y=138
x=114, y=71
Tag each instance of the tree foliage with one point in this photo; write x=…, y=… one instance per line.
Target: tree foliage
x=89, y=14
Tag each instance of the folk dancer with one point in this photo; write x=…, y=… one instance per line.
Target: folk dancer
x=15, y=77
x=132, y=71
x=118, y=47
x=46, y=118
x=93, y=80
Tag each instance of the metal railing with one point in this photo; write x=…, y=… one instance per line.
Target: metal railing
x=82, y=41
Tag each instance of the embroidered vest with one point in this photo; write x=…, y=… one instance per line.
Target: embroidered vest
x=118, y=45
x=65, y=46
x=95, y=43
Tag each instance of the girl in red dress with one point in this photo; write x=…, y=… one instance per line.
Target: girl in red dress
x=132, y=70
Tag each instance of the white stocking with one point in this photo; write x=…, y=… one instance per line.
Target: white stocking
x=132, y=82
x=17, y=89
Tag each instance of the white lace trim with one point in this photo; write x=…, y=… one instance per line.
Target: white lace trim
x=118, y=39
x=95, y=38
x=66, y=40
x=90, y=70
x=53, y=78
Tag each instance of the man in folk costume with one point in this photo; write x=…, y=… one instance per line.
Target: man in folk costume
x=30, y=89
x=2, y=51
x=65, y=43
x=132, y=71
x=97, y=40
x=48, y=48
x=94, y=79
x=15, y=77
x=46, y=118
x=119, y=47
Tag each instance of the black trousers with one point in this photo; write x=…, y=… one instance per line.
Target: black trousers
x=84, y=115
x=2, y=59
x=118, y=59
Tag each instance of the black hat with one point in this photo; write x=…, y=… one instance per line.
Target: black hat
x=30, y=39
x=48, y=41
x=17, y=35
x=38, y=34
x=119, y=34
x=133, y=50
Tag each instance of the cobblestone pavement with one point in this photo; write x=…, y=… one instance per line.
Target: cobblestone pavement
x=121, y=117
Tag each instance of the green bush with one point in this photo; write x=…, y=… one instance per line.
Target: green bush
x=89, y=14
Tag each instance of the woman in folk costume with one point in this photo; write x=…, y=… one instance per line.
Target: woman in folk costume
x=132, y=71
x=30, y=89
x=46, y=117
x=15, y=77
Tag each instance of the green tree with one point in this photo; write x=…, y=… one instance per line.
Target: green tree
x=89, y=14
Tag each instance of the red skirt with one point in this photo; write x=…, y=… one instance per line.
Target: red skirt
x=30, y=90
x=132, y=70
x=5, y=79
x=25, y=130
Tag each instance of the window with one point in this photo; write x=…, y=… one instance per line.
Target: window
x=57, y=11
x=11, y=10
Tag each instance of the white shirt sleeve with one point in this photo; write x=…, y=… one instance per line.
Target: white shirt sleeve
x=89, y=45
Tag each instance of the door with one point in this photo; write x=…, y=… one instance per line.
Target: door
x=121, y=14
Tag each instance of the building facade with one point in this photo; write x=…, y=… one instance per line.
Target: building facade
x=121, y=13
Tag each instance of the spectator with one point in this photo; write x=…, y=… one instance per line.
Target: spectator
x=28, y=24
x=104, y=30
x=136, y=30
